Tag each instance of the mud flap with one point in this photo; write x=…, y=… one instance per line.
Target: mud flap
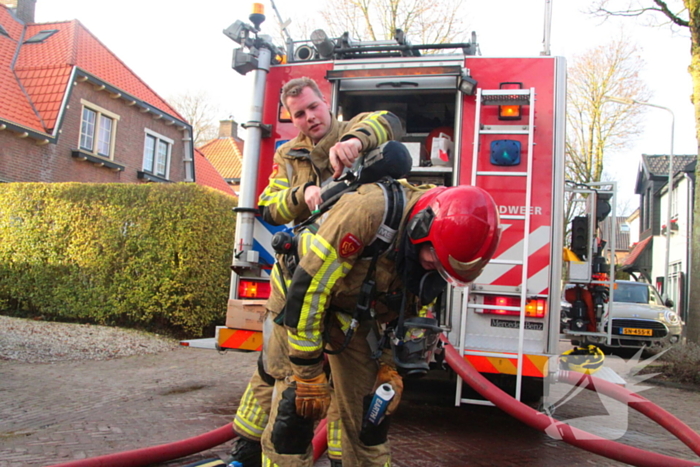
x=371, y=434
x=291, y=433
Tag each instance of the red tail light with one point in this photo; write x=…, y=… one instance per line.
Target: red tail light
x=248, y=288
x=534, y=308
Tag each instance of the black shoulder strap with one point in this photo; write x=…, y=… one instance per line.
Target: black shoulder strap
x=394, y=202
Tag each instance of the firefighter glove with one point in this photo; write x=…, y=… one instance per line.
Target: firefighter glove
x=388, y=375
x=313, y=396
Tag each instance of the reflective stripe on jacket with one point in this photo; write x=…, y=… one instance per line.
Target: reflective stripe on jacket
x=333, y=270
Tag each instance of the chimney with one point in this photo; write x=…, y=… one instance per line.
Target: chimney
x=25, y=10
x=11, y=4
x=228, y=128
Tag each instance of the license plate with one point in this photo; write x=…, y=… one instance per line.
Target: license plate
x=636, y=332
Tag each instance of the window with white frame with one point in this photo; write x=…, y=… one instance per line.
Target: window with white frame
x=674, y=202
x=674, y=274
x=156, y=154
x=98, y=128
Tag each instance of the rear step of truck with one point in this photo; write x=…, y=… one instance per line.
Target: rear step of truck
x=228, y=339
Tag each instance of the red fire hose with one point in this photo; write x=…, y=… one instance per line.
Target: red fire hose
x=186, y=447
x=320, y=441
x=644, y=406
x=161, y=453
x=574, y=436
x=524, y=413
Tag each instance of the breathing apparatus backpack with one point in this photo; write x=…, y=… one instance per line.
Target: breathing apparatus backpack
x=383, y=165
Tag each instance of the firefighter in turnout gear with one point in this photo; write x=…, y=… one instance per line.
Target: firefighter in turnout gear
x=345, y=286
x=301, y=168
x=311, y=160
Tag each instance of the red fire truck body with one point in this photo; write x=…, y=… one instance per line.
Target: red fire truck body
x=506, y=118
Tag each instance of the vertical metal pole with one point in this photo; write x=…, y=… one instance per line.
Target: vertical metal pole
x=547, y=27
x=627, y=101
x=669, y=214
x=243, y=253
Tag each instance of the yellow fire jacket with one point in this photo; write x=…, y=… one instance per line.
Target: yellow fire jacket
x=332, y=271
x=299, y=161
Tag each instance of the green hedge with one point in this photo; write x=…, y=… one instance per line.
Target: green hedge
x=150, y=256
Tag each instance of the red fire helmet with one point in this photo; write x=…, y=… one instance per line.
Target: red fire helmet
x=462, y=225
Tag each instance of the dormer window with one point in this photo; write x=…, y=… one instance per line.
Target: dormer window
x=41, y=36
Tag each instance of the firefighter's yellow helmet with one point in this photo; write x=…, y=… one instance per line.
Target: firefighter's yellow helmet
x=583, y=359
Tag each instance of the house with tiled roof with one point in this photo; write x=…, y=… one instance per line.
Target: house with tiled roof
x=226, y=153
x=648, y=257
x=72, y=111
x=207, y=175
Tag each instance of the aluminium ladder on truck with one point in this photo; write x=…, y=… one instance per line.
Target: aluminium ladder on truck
x=522, y=97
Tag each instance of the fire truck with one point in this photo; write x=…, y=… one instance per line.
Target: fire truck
x=505, y=119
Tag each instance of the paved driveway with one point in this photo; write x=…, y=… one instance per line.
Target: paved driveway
x=53, y=413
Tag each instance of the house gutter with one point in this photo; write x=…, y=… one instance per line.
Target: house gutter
x=189, y=154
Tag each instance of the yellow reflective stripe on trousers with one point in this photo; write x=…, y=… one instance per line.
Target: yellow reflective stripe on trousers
x=250, y=417
x=308, y=337
x=379, y=130
x=334, y=447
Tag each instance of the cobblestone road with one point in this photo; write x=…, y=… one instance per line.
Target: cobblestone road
x=53, y=413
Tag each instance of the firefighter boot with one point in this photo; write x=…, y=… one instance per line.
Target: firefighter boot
x=247, y=452
x=336, y=463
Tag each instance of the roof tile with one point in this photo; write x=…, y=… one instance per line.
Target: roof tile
x=208, y=176
x=41, y=72
x=658, y=164
x=636, y=251
x=226, y=155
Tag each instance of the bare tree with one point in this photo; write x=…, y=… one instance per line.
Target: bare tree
x=597, y=128
x=200, y=112
x=423, y=21
x=678, y=14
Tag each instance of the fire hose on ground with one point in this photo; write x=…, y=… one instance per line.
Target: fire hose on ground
x=186, y=447
x=574, y=436
x=502, y=400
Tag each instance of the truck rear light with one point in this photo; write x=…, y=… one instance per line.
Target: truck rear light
x=510, y=112
x=253, y=289
x=534, y=308
x=283, y=114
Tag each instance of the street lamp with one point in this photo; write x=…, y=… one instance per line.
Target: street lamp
x=627, y=101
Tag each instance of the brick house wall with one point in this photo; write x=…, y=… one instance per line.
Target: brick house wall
x=22, y=159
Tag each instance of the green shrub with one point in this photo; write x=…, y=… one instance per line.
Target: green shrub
x=151, y=256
